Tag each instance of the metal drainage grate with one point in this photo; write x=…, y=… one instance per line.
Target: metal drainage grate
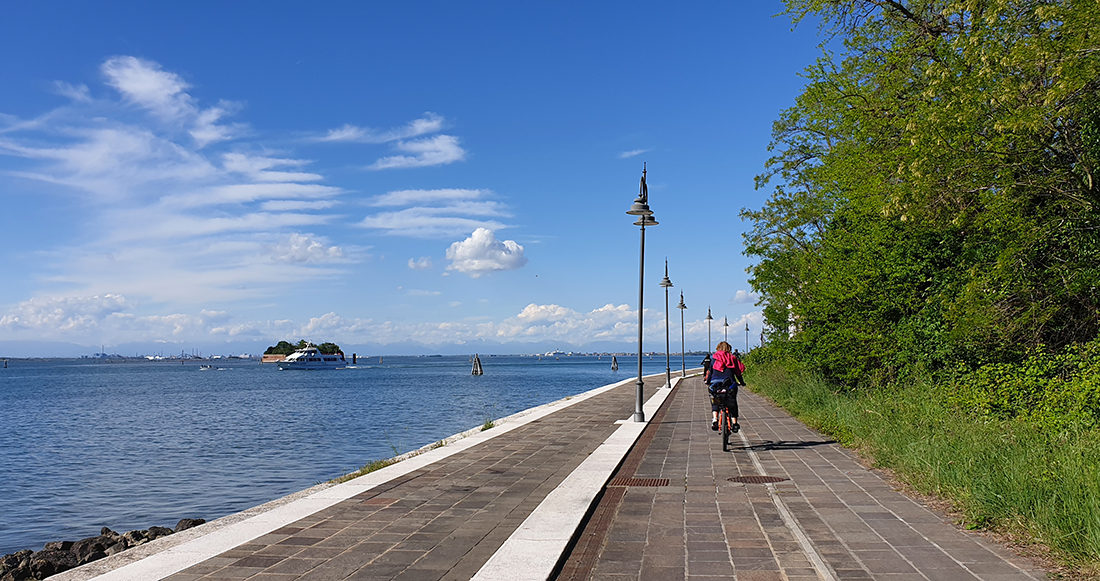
x=628, y=481
x=756, y=479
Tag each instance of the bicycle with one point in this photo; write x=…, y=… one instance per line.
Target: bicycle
x=724, y=395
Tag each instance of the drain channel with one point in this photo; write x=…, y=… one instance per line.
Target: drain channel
x=630, y=481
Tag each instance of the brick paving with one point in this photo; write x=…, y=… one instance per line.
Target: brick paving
x=830, y=518
x=670, y=512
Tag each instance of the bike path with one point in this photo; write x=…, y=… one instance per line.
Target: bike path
x=681, y=508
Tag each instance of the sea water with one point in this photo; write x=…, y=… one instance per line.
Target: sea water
x=131, y=444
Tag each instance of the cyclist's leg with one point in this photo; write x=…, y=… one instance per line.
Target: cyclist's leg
x=732, y=401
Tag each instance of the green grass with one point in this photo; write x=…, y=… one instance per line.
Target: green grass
x=487, y=425
x=1005, y=475
x=366, y=469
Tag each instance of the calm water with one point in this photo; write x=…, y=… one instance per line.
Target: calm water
x=135, y=444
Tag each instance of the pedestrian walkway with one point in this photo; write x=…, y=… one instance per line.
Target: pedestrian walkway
x=785, y=504
x=505, y=504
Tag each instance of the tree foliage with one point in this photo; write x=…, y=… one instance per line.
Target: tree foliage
x=934, y=189
x=286, y=348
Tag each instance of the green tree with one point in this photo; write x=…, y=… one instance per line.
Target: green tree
x=934, y=193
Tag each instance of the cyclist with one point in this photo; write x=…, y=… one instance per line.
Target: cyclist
x=721, y=374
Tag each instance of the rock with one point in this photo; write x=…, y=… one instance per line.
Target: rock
x=51, y=562
x=85, y=548
x=135, y=538
x=14, y=567
x=58, y=556
x=117, y=548
x=158, y=532
x=188, y=523
x=59, y=546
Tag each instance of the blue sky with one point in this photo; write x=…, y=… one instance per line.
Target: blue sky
x=396, y=177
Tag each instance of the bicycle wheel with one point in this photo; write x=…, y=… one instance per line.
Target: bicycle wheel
x=724, y=417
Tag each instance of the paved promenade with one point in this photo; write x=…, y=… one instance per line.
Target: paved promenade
x=662, y=502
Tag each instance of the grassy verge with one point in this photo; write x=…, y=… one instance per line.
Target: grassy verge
x=1000, y=475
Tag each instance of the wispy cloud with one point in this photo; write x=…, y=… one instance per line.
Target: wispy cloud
x=164, y=94
x=169, y=212
x=438, y=150
x=633, y=153
x=427, y=124
x=436, y=213
x=75, y=92
x=410, y=197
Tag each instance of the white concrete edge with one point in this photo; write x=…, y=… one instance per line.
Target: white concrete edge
x=532, y=552
x=174, y=553
x=824, y=571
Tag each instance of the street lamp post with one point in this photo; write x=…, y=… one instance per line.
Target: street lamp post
x=726, y=324
x=640, y=208
x=683, y=355
x=666, y=284
x=709, y=319
x=746, y=337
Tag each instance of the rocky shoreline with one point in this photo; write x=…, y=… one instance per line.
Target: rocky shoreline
x=58, y=556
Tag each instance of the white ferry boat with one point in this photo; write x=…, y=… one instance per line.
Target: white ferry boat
x=312, y=358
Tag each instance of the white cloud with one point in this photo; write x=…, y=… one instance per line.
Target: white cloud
x=533, y=313
x=163, y=93
x=63, y=314
x=304, y=248
x=75, y=92
x=436, y=213
x=243, y=193
x=166, y=214
x=482, y=253
x=260, y=168
x=422, y=263
x=428, y=124
x=438, y=150
x=633, y=153
x=408, y=197
x=743, y=297
x=296, y=205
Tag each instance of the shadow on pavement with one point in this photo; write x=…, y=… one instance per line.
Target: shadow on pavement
x=783, y=445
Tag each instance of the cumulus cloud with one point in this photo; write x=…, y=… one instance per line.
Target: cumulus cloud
x=63, y=314
x=743, y=297
x=481, y=253
x=422, y=263
x=303, y=248
x=429, y=151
